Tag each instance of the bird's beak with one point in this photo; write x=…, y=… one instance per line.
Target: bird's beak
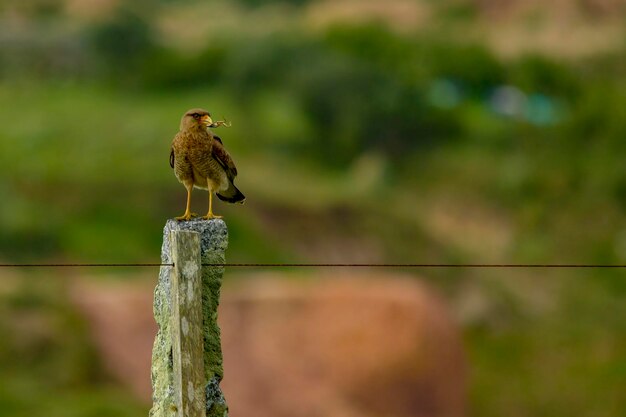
x=206, y=120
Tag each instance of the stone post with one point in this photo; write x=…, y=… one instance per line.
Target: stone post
x=167, y=388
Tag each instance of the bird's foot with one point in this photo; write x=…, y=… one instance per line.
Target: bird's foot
x=210, y=216
x=187, y=216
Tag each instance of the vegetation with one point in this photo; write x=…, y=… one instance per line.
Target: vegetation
x=468, y=156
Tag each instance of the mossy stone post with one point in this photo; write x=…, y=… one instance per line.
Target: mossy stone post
x=187, y=353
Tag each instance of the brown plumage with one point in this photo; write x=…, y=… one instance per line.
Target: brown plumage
x=200, y=160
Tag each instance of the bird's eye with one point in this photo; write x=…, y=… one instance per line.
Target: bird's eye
x=196, y=116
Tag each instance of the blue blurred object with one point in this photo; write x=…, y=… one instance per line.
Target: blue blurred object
x=536, y=108
x=540, y=110
x=508, y=100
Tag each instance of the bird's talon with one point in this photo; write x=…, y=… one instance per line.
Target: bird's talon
x=186, y=217
x=211, y=216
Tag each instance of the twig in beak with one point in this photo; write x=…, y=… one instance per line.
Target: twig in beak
x=219, y=123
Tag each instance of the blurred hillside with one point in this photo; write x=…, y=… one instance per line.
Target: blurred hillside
x=363, y=131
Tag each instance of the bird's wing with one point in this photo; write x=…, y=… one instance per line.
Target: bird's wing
x=223, y=158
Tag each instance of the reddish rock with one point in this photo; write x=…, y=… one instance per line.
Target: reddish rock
x=334, y=347
x=122, y=326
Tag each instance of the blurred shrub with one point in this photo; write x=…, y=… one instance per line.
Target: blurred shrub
x=169, y=69
x=538, y=73
x=473, y=65
x=356, y=108
x=41, y=9
x=122, y=44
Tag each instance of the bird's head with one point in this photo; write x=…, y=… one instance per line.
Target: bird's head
x=199, y=119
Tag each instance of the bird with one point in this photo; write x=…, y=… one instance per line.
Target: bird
x=200, y=160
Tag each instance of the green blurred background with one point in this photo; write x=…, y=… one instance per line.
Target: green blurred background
x=405, y=131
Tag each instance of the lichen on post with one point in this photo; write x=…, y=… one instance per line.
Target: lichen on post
x=213, y=239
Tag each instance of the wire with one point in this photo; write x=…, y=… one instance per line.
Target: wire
x=312, y=265
x=81, y=265
x=339, y=265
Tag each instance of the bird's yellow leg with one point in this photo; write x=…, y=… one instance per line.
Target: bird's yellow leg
x=188, y=214
x=210, y=214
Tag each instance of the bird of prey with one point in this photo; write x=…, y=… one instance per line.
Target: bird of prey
x=200, y=160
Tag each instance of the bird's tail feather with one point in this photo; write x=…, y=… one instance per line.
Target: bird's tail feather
x=232, y=195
